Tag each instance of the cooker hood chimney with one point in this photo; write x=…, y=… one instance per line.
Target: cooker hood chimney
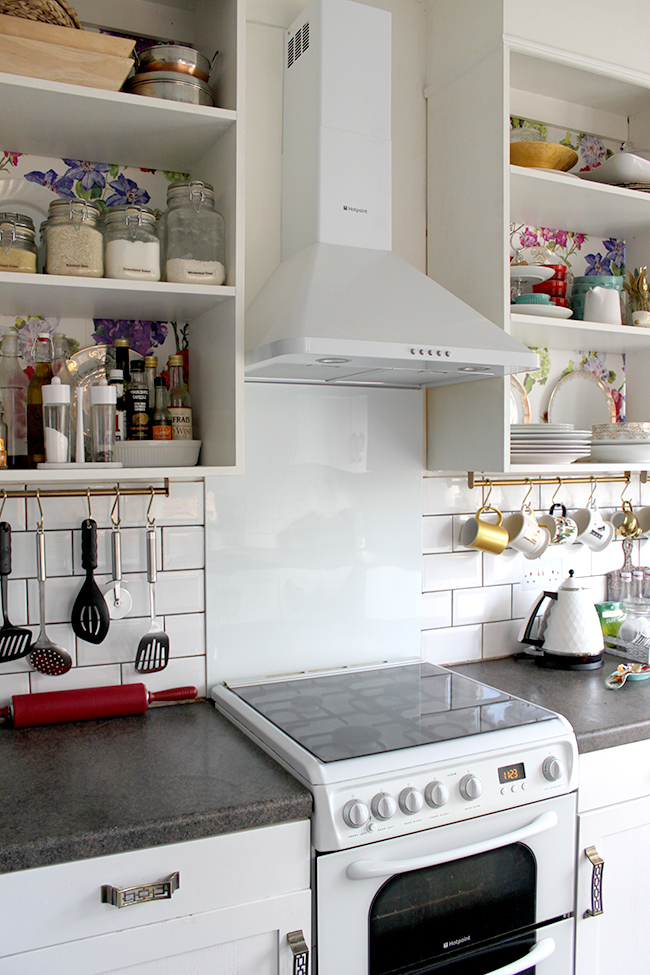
x=341, y=307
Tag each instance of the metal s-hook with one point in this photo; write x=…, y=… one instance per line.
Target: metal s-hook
x=525, y=504
x=40, y=524
x=116, y=507
x=487, y=497
x=627, y=484
x=90, y=513
x=591, y=501
x=151, y=522
x=559, y=486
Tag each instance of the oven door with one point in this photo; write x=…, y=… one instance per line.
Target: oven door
x=491, y=894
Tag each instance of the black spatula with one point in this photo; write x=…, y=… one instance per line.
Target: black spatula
x=15, y=642
x=90, y=618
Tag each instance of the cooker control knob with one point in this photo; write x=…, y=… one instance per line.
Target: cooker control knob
x=383, y=806
x=436, y=794
x=470, y=787
x=553, y=769
x=410, y=801
x=356, y=813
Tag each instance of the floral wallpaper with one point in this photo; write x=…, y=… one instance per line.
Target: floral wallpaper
x=555, y=364
x=592, y=149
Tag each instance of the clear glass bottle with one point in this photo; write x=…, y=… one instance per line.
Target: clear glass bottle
x=56, y=421
x=18, y=251
x=74, y=239
x=150, y=367
x=162, y=420
x=115, y=378
x=194, y=235
x=180, y=401
x=42, y=376
x=131, y=245
x=138, y=417
x=102, y=421
x=13, y=394
x=635, y=628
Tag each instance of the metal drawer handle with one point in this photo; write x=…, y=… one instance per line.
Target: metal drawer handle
x=598, y=865
x=542, y=950
x=300, y=951
x=160, y=891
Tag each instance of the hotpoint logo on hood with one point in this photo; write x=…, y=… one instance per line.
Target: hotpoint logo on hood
x=354, y=209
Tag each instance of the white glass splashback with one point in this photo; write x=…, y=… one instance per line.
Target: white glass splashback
x=313, y=556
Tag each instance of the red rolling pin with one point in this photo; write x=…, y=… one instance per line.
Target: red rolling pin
x=86, y=703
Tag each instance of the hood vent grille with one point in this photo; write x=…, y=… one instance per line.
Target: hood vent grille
x=297, y=44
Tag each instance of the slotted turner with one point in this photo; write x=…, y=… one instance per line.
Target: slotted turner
x=90, y=619
x=15, y=641
x=153, y=649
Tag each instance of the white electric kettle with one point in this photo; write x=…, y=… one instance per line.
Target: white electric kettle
x=570, y=633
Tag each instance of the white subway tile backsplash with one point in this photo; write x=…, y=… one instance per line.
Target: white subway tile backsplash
x=11, y=684
x=68, y=513
x=184, y=506
x=183, y=548
x=14, y=512
x=58, y=554
x=186, y=634
x=449, y=495
x=523, y=601
x=437, y=533
x=17, y=599
x=503, y=569
x=60, y=594
x=179, y=672
x=501, y=639
x=120, y=645
x=481, y=605
x=454, y=645
x=180, y=592
x=611, y=558
x=456, y=571
x=76, y=678
x=133, y=545
x=436, y=610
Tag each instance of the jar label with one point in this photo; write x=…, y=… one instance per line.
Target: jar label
x=161, y=431
x=181, y=422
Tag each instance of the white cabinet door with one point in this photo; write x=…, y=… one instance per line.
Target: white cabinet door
x=618, y=940
x=245, y=940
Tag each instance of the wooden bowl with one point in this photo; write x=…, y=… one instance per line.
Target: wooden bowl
x=543, y=155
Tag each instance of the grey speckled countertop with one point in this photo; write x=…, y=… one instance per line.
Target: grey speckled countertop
x=600, y=717
x=90, y=788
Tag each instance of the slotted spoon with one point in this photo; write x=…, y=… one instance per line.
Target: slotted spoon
x=46, y=656
x=90, y=619
x=153, y=649
x=15, y=641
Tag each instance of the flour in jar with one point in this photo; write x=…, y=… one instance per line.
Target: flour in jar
x=134, y=260
x=182, y=271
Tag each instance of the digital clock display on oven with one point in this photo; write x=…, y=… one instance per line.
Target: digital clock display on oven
x=512, y=773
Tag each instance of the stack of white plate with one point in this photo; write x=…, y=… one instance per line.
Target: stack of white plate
x=548, y=443
x=626, y=443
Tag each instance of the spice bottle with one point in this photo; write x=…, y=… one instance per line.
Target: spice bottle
x=102, y=421
x=150, y=366
x=194, y=235
x=162, y=420
x=116, y=379
x=180, y=401
x=131, y=245
x=42, y=376
x=13, y=394
x=74, y=239
x=17, y=243
x=56, y=421
x=138, y=417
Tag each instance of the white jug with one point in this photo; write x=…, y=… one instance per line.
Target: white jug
x=603, y=305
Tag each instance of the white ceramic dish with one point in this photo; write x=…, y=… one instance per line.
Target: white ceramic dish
x=624, y=167
x=556, y=458
x=542, y=427
x=531, y=272
x=542, y=311
x=621, y=453
x=616, y=432
x=519, y=404
x=163, y=453
x=581, y=398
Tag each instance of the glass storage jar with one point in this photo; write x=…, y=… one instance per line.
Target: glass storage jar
x=74, y=240
x=17, y=243
x=193, y=232
x=131, y=245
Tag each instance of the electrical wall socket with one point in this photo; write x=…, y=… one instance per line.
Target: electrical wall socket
x=542, y=575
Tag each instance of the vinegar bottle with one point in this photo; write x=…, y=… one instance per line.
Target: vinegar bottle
x=42, y=376
x=180, y=403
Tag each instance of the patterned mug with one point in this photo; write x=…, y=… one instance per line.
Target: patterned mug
x=561, y=529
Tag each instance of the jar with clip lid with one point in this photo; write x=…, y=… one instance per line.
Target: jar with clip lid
x=193, y=231
x=131, y=245
x=74, y=242
x=17, y=243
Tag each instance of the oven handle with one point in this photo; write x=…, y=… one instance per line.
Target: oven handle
x=542, y=950
x=374, y=869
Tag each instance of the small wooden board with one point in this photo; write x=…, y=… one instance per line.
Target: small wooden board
x=86, y=40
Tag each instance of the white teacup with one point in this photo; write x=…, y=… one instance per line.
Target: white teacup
x=593, y=529
x=526, y=535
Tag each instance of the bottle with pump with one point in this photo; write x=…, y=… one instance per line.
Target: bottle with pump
x=13, y=393
x=42, y=376
x=180, y=401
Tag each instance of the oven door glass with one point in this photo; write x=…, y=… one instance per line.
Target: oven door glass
x=454, y=916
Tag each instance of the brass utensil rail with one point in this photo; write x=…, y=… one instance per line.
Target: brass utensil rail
x=473, y=481
x=89, y=492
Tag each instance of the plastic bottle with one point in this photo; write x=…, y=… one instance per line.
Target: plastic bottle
x=13, y=394
x=56, y=421
x=42, y=376
x=102, y=421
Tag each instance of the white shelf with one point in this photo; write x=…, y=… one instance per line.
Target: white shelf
x=553, y=333
x=114, y=475
x=578, y=469
x=540, y=198
x=106, y=126
x=70, y=297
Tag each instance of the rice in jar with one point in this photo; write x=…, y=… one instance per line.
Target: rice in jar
x=17, y=243
x=74, y=241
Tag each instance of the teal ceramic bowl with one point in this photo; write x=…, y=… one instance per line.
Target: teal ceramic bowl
x=534, y=299
x=591, y=280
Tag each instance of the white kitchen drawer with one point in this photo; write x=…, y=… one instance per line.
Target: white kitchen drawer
x=52, y=905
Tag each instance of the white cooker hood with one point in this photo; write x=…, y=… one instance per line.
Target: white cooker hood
x=341, y=307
